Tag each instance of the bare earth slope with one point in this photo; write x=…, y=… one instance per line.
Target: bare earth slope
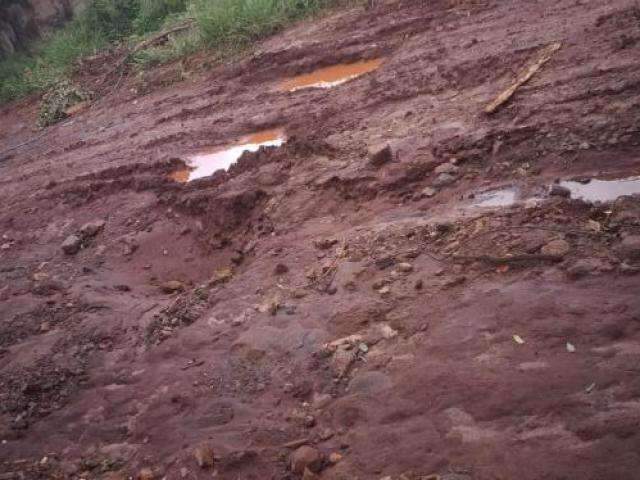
x=107, y=369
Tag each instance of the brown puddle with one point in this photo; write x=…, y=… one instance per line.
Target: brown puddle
x=206, y=163
x=328, y=77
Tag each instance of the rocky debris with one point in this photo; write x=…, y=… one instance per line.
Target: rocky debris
x=145, y=474
x=344, y=352
x=385, y=262
x=404, y=267
x=558, y=248
x=91, y=229
x=325, y=243
x=449, y=168
x=377, y=158
x=71, y=244
x=220, y=276
x=321, y=400
x=629, y=248
x=428, y=192
x=335, y=457
x=627, y=269
x=204, y=456
x=237, y=258
x=559, y=191
x=443, y=180
x=172, y=286
x=582, y=268
x=306, y=457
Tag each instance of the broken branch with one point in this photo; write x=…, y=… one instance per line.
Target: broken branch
x=545, y=55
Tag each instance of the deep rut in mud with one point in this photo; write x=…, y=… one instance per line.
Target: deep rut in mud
x=405, y=287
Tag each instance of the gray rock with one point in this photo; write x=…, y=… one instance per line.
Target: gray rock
x=556, y=247
x=380, y=157
x=582, y=268
x=559, y=191
x=443, y=180
x=404, y=267
x=428, y=192
x=446, y=168
x=71, y=244
x=306, y=457
x=91, y=229
x=629, y=248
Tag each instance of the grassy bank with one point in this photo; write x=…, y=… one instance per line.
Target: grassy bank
x=218, y=24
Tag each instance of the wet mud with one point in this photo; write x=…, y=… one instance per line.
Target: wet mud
x=341, y=291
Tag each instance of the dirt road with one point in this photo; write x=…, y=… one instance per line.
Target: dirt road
x=438, y=307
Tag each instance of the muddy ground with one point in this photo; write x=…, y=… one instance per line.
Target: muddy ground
x=319, y=294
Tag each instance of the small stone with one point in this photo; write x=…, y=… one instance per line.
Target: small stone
x=304, y=458
x=454, y=282
x=71, y=244
x=172, y=286
x=446, y=168
x=325, y=243
x=335, y=457
x=145, y=474
x=385, y=262
x=220, y=276
x=309, y=421
x=237, y=258
x=321, y=400
x=428, y=192
x=629, y=248
x=404, y=267
x=5, y=246
x=443, y=180
x=298, y=293
x=204, y=456
x=381, y=157
x=581, y=268
x=419, y=284
x=281, y=269
x=384, y=290
x=558, y=248
x=91, y=229
x=309, y=475
x=559, y=191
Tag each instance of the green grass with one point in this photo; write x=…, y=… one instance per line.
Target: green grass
x=224, y=23
x=219, y=25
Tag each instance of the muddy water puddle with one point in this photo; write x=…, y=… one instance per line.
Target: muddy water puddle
x=329, y=77
x=595, y=190
x=207, y=162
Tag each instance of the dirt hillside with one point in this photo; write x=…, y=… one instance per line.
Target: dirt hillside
x=401, y=291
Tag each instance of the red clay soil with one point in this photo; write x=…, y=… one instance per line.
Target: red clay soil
x=312, y=296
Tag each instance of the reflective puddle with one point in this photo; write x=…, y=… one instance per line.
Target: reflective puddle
x=603, y=190
x=496, y=198
x=206, y=163
x=328, y=77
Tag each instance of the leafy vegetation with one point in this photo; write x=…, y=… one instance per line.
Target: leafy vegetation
x=218, y=24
